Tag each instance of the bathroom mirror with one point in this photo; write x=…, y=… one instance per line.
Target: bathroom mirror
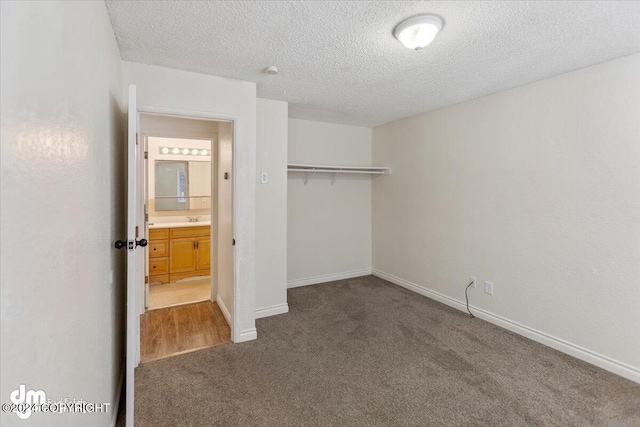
x=182, y=185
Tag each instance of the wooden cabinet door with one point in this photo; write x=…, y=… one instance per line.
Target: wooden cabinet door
x=204, y=253
x=182, y=255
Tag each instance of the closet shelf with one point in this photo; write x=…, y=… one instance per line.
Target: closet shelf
x=333, y=170
x=372, y=170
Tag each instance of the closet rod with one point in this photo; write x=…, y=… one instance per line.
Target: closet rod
x=374, y=170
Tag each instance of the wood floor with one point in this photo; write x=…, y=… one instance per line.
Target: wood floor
x=182, y=292
x=177, y=330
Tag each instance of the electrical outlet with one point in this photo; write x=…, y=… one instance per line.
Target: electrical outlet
x=488, y=288
x=472, y=280
x=264, y=178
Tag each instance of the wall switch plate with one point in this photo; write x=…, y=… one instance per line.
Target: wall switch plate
x=473, y=279
x=488, y=288
x=264, y=178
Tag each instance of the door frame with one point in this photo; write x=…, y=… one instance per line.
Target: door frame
x=214, y=194
x=219, y=117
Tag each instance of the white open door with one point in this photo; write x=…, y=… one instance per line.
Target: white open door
x=133, y=319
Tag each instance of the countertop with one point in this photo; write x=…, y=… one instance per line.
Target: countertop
x=178, y=224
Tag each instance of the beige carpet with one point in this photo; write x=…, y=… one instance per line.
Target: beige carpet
x=364, y=352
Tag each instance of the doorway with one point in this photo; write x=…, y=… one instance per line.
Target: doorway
x=187, y=207
x=178, y=199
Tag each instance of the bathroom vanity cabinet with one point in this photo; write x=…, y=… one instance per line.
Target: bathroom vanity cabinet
x=178, y=253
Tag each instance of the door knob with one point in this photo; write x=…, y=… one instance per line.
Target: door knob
x=123, y=243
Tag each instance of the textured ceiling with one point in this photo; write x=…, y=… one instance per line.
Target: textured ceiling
x=339, y=62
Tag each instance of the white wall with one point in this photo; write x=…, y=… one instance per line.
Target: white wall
x=162, y=89
x=329, y=226
x=271, y=206
x=536, y=189
x=62, y=166
x=160, y=125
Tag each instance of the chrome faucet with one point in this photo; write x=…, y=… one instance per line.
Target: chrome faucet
x=193, y=218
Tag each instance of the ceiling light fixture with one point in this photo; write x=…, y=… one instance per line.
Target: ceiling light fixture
x=418, y=31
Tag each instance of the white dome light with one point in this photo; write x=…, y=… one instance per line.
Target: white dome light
x=185, y=151
x=204, y=152
x=194, y=151
x=175, y=151
x=419, y=31
x=165, y=150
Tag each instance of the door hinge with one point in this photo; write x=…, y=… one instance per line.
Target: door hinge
x=146, y=154
x=137, y=232
x=146, y=217
x=234, y=242
x=146, y=279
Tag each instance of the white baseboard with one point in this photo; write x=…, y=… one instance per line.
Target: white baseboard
x=624, y=370
x=247, y=335
x=116, y=403
x=272, y=311
x=223, y=309
x=328, y=278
